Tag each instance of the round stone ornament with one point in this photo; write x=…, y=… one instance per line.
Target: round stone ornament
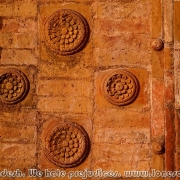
x=120, y=87
x=157, y=44
x=14, y=86
x=66, y=144
x=66, y=32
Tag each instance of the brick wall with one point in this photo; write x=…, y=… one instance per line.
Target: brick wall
x=70, y=87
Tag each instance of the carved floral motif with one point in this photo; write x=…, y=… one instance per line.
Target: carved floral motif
x=66, y=32
x=120, y=87
x=13, y=86
x=67, y=144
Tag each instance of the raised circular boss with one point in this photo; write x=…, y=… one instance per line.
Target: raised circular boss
x=66, y=32
x=14, y=86
x=120, y=87
x=66, y=144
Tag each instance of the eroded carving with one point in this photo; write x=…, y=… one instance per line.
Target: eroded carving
x=66, y=32
x=157, y=44
x=158, y=145
x=120, y=87
x=14, y=86
x=67, y=144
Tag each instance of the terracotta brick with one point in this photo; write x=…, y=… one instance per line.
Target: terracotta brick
x=115, y=27
x=108, y=57
x=169, y=88
x=19, y=25
x=15, y=8
x=65, y=104
x=176, y=20
x=65, y=88
x=157, y=107
x=128, y=41
x=112, y=118
x=64, y=69
x=6, y=9
x=23, y=117
x=122, y=9
x=127, y=159
x=177, y=126
x=157, y=64
x=17, y=40
x=27, y=9
x=17, y=163
x=70, y=87
x=170, y=139
x=168, y=21
x=18, y=134
x=158, y=164
x=18, y=57
x=156, y=18
x=121, y=136
x=168, y=58
x=18, y=150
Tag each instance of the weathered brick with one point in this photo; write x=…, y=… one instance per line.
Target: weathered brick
x=107, y=157
x=108, y=57
x=19, y=134
x=156, y=22
x=17, y=163
x=157, y=64
x=112, y=27
x=6, y=9
x=64, y=69
x=112, y=118
x=122, y=10
x=18, y=150
x=15, y=8
x=70, y=104
x=18, y=57
x=19, y=25
x=128, y=41
x=65, y=88
x=121, y=136
x=23, y=117
x=158, y=117
x=176, y=20
x=17, y=40
x=168, y=21
x=26, y=9
x=168, y=58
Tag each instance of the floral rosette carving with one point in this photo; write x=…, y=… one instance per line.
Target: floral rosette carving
x=66, y=32
x=120, y=87
x=67, y=144
x=14, y=86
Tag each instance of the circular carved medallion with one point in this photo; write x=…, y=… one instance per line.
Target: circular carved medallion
x=67, y=144
x=120, y=87
x=66, y=32
x=157, y=44
x=14, y=86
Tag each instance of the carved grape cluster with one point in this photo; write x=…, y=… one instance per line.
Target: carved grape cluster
x=66, y=146
x=13, y=86
x=66, y=32
x=120, y=87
